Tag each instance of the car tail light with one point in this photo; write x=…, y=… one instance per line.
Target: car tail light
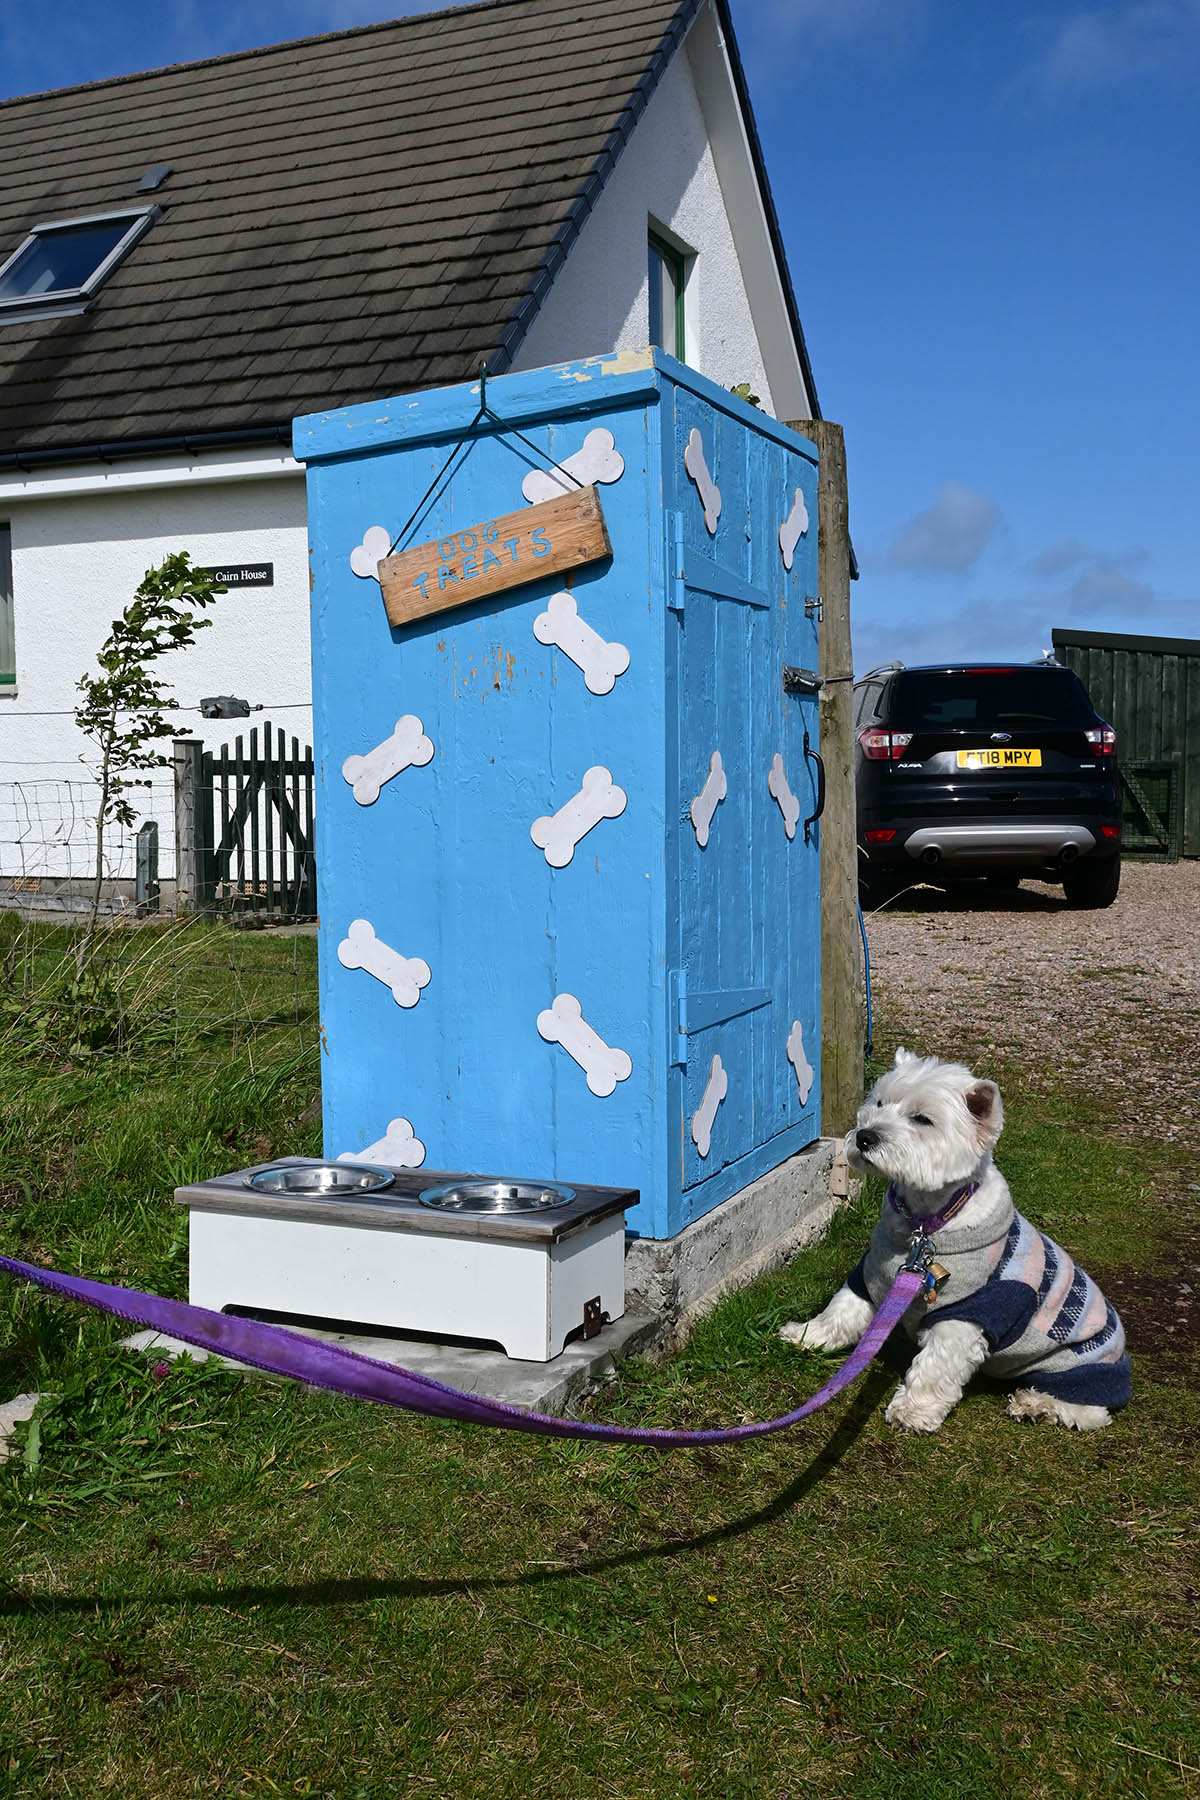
x=879, y=837
x=884, y=746
x=1103, y=740
x=1108, y=831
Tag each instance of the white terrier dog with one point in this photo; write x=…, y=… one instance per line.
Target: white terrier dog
x=1000, y=1296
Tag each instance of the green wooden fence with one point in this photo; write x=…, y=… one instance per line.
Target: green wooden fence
x=1149, y=691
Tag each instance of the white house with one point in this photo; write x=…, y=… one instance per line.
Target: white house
x=190, y=258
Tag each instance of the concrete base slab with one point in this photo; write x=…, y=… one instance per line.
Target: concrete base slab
x=678, y=1279
x=552, y=1387
x=669, y=1283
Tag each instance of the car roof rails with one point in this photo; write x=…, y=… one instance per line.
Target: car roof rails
x=888, y=668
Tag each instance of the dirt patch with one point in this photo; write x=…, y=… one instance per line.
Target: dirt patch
x=1109, y=1001
x=1160, y=1312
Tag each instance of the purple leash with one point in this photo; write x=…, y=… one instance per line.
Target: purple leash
x=342, y=1371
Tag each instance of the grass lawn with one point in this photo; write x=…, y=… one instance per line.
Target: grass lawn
x=221, y=1587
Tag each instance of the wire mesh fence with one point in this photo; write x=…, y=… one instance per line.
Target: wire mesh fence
x=102, y=955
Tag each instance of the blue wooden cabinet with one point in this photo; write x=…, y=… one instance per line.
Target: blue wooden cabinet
x=569, y=896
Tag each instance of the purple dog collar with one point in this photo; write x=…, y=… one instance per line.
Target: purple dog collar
x=931, y=1222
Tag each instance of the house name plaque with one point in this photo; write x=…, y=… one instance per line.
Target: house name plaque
x=565, y=533
x=242, y=574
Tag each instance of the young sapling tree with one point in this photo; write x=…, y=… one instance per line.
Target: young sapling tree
x=125, y=705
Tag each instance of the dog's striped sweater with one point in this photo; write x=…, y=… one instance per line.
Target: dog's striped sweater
x=1046, y=1322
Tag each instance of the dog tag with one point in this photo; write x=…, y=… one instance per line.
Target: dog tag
x=936, y=1278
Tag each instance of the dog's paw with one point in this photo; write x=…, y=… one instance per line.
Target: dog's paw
x=820, y=1333
x=911, y=1412
x=801, y=1332
x=1029, y=1404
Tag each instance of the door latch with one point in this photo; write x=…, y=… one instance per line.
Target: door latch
x=814, y=607
x=800, y=681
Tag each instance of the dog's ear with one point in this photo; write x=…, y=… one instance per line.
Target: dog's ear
x=983, y=1104
x=903, y=1056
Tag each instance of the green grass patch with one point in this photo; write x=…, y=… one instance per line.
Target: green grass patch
x=227, y=1587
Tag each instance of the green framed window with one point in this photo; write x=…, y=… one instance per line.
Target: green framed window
x=8, y=661
x=668, y=273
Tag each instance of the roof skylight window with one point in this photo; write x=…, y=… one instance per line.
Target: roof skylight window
x=61, y=264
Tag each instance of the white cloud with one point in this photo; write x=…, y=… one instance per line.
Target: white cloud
x=1058, y=558
x=1101, y=589
x=774, y=34
x=844, y=19
x=948, y=537
x=1070, y=554
x=1114, y=43
x=1102, y=583
x=982, y=628
x=1101, y=596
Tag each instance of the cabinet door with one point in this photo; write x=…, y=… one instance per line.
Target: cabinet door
x=748, y=878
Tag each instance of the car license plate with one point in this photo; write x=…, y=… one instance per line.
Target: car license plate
x=1007, y=758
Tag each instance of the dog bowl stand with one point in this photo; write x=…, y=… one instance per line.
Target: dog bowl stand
x=524, y=1280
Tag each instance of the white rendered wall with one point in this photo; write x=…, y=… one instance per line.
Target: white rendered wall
x=77, y=560
x=601, y=301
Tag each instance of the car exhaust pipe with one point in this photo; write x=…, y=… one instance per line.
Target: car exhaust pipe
x=1069, y=855
x=931, y=857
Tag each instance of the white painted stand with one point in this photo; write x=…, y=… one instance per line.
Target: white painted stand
x=398, y=1264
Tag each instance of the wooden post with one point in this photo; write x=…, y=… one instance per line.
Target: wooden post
x=193, y=828
x=841, y=957
x=146, y=869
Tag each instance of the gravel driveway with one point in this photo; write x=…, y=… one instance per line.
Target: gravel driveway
x=1108, y=999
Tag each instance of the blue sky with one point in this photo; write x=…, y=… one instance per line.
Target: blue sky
x=990, y=217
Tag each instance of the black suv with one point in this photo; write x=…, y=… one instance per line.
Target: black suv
x=997, y=770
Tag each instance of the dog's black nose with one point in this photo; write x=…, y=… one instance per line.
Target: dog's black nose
x=865, y=1140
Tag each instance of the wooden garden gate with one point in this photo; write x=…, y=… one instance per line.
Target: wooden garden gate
x=244, y=827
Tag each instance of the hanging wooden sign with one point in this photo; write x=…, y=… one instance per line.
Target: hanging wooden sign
x=465, y=566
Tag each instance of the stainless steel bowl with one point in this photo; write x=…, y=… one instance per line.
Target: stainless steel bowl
x=497, y=1196
x=322, y=1180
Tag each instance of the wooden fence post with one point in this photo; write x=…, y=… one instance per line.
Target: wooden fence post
x=193, y=828
x=841, y=958
x=146, y=868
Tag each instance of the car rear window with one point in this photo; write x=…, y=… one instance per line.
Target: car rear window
x=934, y=700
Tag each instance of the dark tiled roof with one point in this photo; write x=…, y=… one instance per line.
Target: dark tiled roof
x=348, y=216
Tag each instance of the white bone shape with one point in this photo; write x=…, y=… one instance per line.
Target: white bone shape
x=562, y=626
x=789, y=806
x=714, y=1093
x=405, y=975
x=710, y=493
x=793, y=529
x=564, y=1023
x=597, y=459
x=707, y=800
x=558, y=833
x=398, y=1148
x=365, y=557
x=406, y=747
x=799, y=1060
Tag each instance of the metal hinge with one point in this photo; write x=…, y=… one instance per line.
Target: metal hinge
x=700, y=1011
x=676, y=586
x=677, y=1018
x=800, y=681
